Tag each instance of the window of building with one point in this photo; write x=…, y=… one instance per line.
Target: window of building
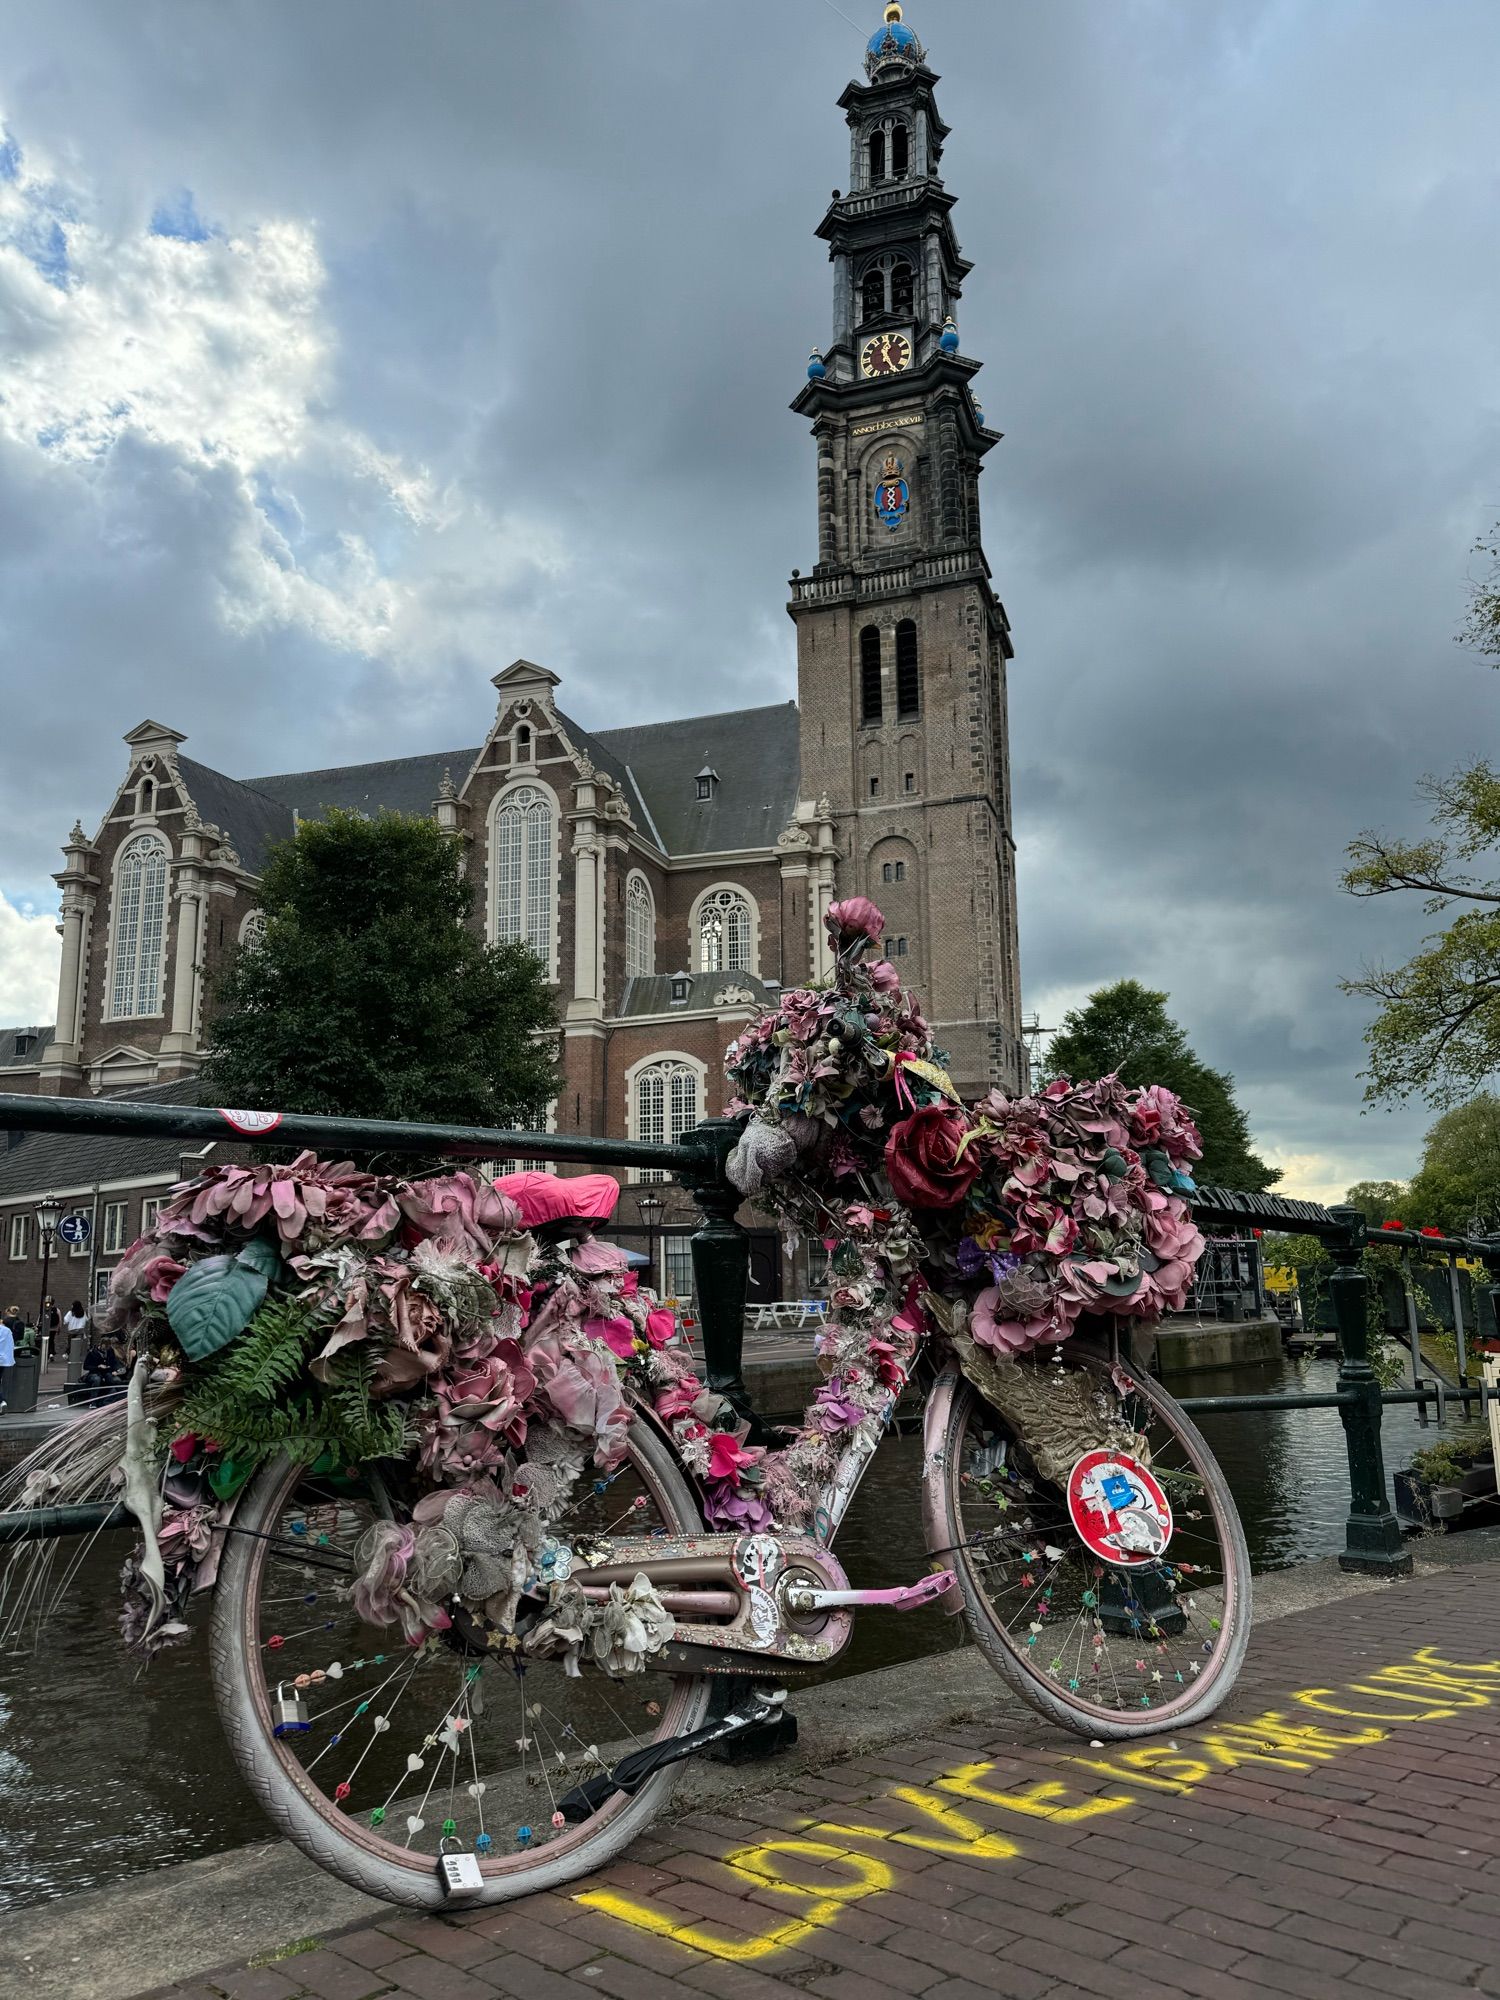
x=150, y=1209
x=138, y=926
x=677, y=1261
x=682, y=986
x=872, y=293
x=706, y=780
x=112, y=1239
x=877, y=154
x=900, y=871
x=253, y=930
x=25, y=1043
x=902, y=286
x=724, y=932
x=525, y=869
x=909, y=781
x=874, y=788
x=893, y=871
x=20, y=1232
x=101, y=1287
x=666, y=1106
x=887, y=873
x=869, y=674
x=900, y=152
x=908, y=678
x=640, y=929
x=523, y=744
x=901, y=947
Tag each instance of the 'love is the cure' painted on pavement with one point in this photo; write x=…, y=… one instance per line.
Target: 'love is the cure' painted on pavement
x=1425, y=1688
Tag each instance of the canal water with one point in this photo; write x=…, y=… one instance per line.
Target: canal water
x=108, y=1771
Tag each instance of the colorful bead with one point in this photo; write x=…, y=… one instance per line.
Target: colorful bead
x=377, y=1816
x=483, y=1844
x=558, y=1820
x=276, y=1642
x=450, y=1827
x=341, y=1792
x=523, y=1835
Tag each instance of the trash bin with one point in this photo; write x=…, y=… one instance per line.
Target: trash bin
x=21, y=1391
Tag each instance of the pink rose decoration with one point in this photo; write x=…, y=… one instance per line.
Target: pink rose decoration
x=617, y=1334
x=160, y=1275
x=855, y=917
x=726, y=1456
x=922, y=1159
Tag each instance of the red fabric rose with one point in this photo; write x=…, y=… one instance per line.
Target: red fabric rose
x=921, y=1158
x=1393, y=1225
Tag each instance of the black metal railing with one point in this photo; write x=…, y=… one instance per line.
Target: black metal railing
x=720, y=1250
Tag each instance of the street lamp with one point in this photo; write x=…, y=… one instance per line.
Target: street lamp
x=47, y=1212
x=651, y=1207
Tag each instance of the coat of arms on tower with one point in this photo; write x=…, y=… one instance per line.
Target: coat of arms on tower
x=892, y=494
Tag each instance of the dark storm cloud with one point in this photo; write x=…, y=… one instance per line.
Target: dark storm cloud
x=1234, y=294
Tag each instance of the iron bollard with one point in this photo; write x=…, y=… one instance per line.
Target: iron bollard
x=1372, y=1539
x=721, y=1259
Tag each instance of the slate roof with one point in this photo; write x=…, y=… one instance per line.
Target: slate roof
x=756, y=753
x=9, y=1059
x=62, y=1162
x=400, y=784
x=249, y=816
x=653, y=994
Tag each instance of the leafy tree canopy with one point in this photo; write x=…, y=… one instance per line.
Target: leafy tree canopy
x=1459, y=1178
x=1436, y=1031
x=1126, y=1028
x=369, y=995
x=1380, y=1201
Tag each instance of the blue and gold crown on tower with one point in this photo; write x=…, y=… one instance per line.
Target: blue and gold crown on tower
x=893, y=49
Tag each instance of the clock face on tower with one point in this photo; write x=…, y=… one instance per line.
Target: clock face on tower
x=885, y=354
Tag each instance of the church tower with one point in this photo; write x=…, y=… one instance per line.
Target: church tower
x=901, y=642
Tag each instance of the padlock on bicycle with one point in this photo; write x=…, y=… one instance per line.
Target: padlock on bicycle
x=288, y=1712
x=458, y=1871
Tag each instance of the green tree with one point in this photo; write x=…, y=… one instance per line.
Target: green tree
x=369, y=995
x=1379, y=1201
x=1459, y=1178
x=1436, y=1030
x=1125, y=1028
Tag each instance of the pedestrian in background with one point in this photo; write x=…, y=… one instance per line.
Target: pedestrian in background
x=10, y=1326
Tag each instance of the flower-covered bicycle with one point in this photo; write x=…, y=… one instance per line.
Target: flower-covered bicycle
x=480, y=1539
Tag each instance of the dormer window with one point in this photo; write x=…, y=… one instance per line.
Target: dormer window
x=706, y=781
x=25, y=1044
x=682, y=986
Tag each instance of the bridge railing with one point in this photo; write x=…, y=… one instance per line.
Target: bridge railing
x=720, y=1252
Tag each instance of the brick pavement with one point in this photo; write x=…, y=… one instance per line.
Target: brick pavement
x=1336, y=1828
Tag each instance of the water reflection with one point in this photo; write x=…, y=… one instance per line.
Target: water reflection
x=106, y=1773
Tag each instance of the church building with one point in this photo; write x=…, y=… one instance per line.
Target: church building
x=672, y=876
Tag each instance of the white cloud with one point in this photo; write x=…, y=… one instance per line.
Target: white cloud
x=29, y=953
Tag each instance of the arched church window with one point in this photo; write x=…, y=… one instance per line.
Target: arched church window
x=253, y=930
x=640, y=929
x=138, y=926
x=900, y=153
x=877, y=155
x=724, y=932
x=869, y=674
x=908, y=677
x=525, y=869
x=872, y=293
x=902, y=283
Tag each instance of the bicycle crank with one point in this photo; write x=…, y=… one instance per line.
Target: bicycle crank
x=761, y=1706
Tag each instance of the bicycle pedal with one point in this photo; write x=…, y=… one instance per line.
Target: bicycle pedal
x=904, y=1597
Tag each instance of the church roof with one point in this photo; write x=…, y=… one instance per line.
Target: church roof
x=251, y=817
x=397, y=784
x=755, y=751
x=651, y=993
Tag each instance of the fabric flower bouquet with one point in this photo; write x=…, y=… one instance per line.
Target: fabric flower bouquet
x=1007, y=1220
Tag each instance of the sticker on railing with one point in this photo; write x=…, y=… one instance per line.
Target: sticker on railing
x=1119, y=1510
x=251, y=1122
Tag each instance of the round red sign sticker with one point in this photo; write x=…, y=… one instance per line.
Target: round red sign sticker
x=1119, y=1509
x=252, y=1122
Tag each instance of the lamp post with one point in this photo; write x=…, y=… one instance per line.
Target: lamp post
x=651, y=1207
x=47, y=1212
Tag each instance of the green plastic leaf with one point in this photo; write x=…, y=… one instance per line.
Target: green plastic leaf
x=259, y=1254
x=214, y=1300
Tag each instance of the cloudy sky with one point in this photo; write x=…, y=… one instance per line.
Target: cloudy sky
x=350, y=351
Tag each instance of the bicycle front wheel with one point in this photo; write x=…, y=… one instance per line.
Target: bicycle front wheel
x=1104, y=1649
x=370, y=1754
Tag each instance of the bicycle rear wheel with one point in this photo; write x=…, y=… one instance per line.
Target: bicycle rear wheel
x=1104, y=1650
x=404, y=1746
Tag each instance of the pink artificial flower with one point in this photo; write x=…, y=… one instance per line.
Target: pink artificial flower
x=727, y=1456
x=617, y=1334
x=882, y=1358
x=678, y=1399
x=160, y=1275
x=182, y=1448
x=469, y=1216
x=661, y=1326
x=883, y=976
x=854, y=916
x=594, y=1257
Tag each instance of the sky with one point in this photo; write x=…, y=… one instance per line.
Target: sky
x=349, y=352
